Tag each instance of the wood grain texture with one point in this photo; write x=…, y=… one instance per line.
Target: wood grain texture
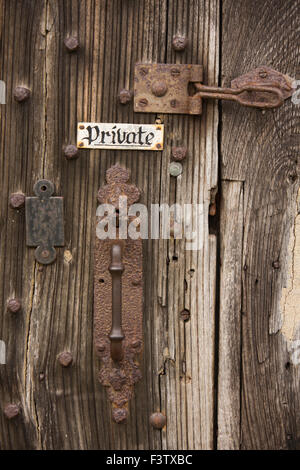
x=67, y=408
x=229, y=351
x=262, y=151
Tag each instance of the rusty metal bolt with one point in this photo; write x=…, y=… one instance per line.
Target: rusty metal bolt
x=158, y=420
x=125, y=96
x=71, y=43
x=71, y=152
x=17, y=200
x=185, y=315
x=159, y=88
x=179, y=43
x=21, y=94
x=276, y=264
x=14, y=305
x=119, y=415
x=179, y=153
x=11, y=410
x=65, y=359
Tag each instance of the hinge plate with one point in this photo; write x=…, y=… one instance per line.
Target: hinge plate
x=164, y=88
x=44, y=222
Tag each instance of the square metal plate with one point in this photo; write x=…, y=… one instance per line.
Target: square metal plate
x=164, y=88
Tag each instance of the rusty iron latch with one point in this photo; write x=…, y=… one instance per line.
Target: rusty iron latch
x=118, y=294
x=178, y=89
x=44, y=221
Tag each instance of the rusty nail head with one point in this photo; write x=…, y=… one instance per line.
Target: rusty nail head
x=12, y=410
x=179, y=153
x=71, y=152
x=81, y=144
x=158, y=420
x=173, y=103
x=14, y=305
x=81, y=126
x=65, y=359
x=21, y=94
x=71, y=43
x=158, y=146
x=179, y=43
x=159, y=88
x=17, y=200
x=276, y=264
x=125, y=96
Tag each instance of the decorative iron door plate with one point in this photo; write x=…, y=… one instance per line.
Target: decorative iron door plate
x=92, y=135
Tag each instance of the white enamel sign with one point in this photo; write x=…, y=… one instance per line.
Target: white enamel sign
x=92, y=135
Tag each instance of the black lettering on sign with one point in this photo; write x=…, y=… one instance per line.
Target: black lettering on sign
x=122, y=136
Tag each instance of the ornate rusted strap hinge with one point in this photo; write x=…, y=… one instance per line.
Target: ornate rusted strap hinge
x=118, y=294
x=178, y=88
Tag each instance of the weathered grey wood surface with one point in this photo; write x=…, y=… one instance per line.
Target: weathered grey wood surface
x=258, y=401
x=228, y=377
x=69, y=408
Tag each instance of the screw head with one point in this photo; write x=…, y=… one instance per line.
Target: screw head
x=159, y=88
x=179, y=153
x=143, y=102
x=263, y=74
x=14, y=305
x=65, y=359
x=175, y=169
x=71, y=152
x=125, y=96
x=185, y=315
x=71, y=43
x=179, y=43
x=158, y=420
x=21, y=94
x=17, y=200
x=11, y=410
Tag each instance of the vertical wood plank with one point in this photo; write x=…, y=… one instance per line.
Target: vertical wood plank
x=264, y=155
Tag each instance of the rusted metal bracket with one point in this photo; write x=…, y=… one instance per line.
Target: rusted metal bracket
x=118, y=297
x=178, y=88
x=44, y=222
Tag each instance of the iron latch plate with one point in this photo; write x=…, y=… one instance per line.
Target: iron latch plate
x=164, y=88
x=44, y=222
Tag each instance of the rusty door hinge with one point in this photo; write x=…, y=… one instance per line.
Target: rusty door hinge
x=44, y=221
x=118, y=294
x=178, y=88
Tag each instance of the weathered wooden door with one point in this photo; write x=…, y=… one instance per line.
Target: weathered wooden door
x=221, y=324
